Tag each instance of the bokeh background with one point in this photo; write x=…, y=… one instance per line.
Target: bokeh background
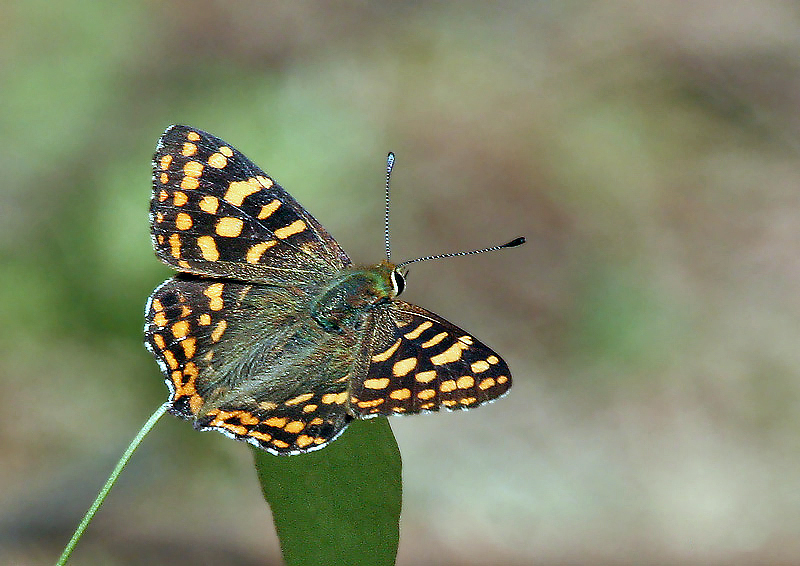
x=649, y=151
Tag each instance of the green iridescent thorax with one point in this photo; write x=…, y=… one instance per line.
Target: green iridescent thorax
x=343, y=303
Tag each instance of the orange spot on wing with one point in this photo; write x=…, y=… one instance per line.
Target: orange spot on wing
x=208, y=248
x=229, y=227
x=183, y=221
x=214, y=293
x=294, y=427
x=294, y=228
x=239, y=190
x=299, y=399
x=189, y=183
x=401, y=368
x=189, y=345
x=175, y=245
x=414, y=334
x=247, y=418
x=452, y=354
x=386, y=354
x=268, y=209
x=209, y=204
x=193, y=169
x=465, y=382
x=169, y=357
x=195, y=403
x=256, y=251
x=180, y=329
x=219, y=330
x=425, y=376
x=435, y=340
x=179, y=198
x=376, y=383
x=266, y=182
x=400, y=394
x=217, y=160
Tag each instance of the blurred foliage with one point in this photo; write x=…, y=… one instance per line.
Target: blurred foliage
x=649, y=152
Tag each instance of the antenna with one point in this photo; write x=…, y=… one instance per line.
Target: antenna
x=512, y=244
x=389, y=166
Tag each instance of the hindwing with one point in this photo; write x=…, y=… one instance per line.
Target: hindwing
x=412, y=361
x=244, y=360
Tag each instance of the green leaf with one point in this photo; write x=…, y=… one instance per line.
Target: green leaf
x=338, y=505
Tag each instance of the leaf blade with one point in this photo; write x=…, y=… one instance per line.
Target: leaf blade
x=339, y=505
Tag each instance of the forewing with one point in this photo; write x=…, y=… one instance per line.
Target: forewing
x=213, y=212
x=243, y=360
x=412, y=360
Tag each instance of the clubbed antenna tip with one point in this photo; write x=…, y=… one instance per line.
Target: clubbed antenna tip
x=514, y=243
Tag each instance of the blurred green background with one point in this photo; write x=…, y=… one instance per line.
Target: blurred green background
x=649, y=152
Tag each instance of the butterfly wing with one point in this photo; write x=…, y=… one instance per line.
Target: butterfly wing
x=244, y=360
x=213, y=212
x=411, y=360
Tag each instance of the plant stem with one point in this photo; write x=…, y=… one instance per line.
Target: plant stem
x=112, y=479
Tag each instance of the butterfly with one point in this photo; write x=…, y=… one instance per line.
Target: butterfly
x=269, y=334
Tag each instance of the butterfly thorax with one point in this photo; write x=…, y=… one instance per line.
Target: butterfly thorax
x=343, y=303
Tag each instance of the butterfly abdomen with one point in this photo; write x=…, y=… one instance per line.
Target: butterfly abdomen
x=343, y=304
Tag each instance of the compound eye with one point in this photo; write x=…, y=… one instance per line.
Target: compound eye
x=398, y=282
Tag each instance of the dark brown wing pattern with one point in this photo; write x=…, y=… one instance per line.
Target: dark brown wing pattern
x=414, y=361
x=213, y=212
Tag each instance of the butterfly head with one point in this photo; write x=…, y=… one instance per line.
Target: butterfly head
x=392, y=278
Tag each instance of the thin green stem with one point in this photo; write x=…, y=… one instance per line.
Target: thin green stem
x=112, y=479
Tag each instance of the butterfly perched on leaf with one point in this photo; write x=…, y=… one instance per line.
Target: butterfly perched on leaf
x=268, y=333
